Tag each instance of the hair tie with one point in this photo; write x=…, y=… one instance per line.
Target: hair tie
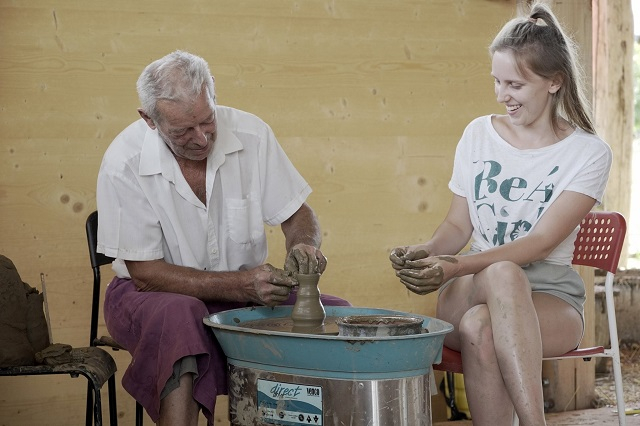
x=538, y=21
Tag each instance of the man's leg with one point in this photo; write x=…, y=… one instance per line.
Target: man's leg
x=179, y=408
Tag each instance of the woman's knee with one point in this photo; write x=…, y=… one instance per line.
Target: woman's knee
x=475, y=326
x=503, y=276
x=476, y=336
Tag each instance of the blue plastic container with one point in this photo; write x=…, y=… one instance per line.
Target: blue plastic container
x=332, y=356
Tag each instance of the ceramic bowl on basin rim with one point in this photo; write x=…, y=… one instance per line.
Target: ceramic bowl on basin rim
x=379, y=325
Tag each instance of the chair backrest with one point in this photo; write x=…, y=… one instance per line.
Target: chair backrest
x=599, y=241
x=97, y=260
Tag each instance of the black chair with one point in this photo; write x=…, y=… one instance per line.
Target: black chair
x=94, y=364
x=91, y=362
x=98, y=260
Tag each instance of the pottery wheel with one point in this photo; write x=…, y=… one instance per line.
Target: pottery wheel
x=285, y=324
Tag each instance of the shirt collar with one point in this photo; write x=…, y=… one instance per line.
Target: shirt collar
x=156, y=157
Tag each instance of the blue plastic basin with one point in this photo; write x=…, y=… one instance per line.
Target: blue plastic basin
x=332, y=356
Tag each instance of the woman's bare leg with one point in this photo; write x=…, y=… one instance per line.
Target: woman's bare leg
x=551, y=312
x=488, y=399
x=498, y=332
x=179, y=408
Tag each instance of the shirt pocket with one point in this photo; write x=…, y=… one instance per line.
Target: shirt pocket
x=244, y=220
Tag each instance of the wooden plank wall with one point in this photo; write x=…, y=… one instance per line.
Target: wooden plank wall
x=570, y=384
x=368, y=98
x=614, y=97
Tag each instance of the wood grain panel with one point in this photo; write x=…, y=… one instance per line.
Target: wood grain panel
x=368, y=98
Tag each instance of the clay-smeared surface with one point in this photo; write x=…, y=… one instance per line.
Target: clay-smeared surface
x=286, y=325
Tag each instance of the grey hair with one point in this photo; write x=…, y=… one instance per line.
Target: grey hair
x=179, y=76
x=539, y=44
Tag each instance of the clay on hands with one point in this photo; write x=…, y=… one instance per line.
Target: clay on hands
x=280, y=282
x=424, y=276
x=400, y=255
x=422, y=281
x=305, y=259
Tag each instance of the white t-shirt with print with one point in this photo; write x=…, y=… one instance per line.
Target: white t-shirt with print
x=147, y=210
x=509, y=189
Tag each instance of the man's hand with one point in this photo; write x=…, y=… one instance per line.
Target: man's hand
x=269, y=286
x=305, y=259
x=423, y=276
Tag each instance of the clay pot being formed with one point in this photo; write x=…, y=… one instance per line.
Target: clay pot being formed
x=308, y=311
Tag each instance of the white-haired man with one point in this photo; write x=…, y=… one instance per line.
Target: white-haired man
x=183, y=195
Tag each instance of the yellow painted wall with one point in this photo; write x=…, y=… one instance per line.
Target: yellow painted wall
x=368, y=98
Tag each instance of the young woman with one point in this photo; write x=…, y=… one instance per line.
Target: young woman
x=521, y=184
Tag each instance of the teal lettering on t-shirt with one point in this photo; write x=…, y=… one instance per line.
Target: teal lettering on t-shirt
x=511, y=189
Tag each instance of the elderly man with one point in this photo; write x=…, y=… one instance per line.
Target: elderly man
x=183, y=195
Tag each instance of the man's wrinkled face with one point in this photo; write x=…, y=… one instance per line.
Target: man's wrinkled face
x=189, y=130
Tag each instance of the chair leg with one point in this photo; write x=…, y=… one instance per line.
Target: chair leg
x=113, y=406
x=139, y=414
x=617, y=375
x=97, y=408
x=615, y=348
x=89, y=409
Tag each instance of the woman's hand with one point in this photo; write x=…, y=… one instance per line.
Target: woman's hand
x=400, y=255
x=423, y=276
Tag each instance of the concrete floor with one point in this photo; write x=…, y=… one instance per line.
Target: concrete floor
x=600, y=416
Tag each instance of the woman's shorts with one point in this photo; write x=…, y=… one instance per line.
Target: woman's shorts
x=561, y=281
x=558, y=280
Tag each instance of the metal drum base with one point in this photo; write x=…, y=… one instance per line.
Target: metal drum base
x=258, y=397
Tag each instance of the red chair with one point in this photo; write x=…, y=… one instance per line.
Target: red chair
x=598, y=245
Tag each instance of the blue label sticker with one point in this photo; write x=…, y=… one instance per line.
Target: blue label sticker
x=289, y=404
